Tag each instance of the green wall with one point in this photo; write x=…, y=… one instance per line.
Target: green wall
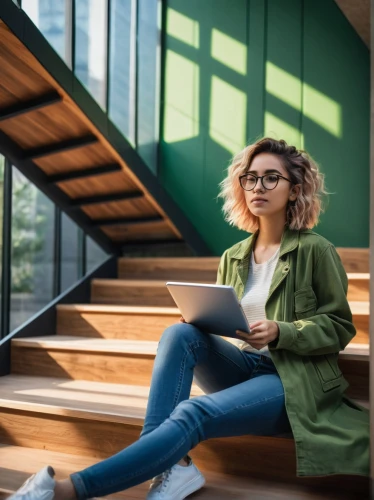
x=237, y=70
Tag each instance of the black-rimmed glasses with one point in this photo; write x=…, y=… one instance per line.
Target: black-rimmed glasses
x=269, y=181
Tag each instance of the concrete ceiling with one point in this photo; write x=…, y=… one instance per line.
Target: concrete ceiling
x=358, y=14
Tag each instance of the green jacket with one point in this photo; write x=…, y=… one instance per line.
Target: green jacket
x=308, y=300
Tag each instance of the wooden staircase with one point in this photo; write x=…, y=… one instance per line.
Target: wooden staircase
x=79, y=394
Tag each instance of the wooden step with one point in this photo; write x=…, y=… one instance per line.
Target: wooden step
x=148, y=323
x=204, y=270
x=130, y=361
x=358, y=287
x=115, y=322
x=360, y=313
x=199, y=269
x=155, y=294
x=131, y=292
x=18, y=463
x=97, y=420
x=355, y=260
x=118, y=361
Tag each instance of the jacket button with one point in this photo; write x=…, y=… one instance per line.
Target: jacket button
x=286, y=269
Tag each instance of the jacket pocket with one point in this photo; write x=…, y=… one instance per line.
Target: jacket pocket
x=305, y=302
x=327, y=370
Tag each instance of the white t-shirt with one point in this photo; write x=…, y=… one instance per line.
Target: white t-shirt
x=256, y=292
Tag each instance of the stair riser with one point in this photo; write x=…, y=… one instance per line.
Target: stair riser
x=159, y=296
x=248, y=456
x=102, y=439
x=77, y=365
x=131, y=295
x=134, y=370
x=145, y=327
x=357, y=374
x=189, y=275
x=358, y=290
x=113, y=326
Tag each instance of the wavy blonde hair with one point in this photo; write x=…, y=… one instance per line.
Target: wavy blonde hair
x=302, y=169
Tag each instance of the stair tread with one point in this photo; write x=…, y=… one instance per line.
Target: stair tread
x=18, y=463
x=130, y=282
x=162, y=282
x=358, y=276
x=182, y=260
x=89, y=344
x=86, y=399
x=80, y=398
x=145, y=347
x=357, y=307
x=104, y=308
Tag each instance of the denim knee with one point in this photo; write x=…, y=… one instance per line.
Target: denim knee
x=192, y=415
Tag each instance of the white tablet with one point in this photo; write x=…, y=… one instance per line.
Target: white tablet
x=211, y=308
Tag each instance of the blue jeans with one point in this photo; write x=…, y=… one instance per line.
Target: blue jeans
x=243, y=395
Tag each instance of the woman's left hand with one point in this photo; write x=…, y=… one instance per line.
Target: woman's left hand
x=262, y=333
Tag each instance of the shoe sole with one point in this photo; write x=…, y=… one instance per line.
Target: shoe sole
x=189, y=488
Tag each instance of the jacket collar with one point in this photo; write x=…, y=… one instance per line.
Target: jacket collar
x=290, y=241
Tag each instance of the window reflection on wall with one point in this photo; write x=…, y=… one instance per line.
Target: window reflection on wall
x=122, y=66
x=69, y=252
x=31, y=250
x=50, y=16
x=90, y=46
x=94, y=255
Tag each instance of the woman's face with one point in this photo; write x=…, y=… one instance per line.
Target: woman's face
x=275, y=200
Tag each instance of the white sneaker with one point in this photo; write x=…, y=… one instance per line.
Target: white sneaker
x=40, y=486
x=176, y=483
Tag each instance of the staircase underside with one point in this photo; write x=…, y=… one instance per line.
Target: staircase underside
x=358, y=14
x=58, y=136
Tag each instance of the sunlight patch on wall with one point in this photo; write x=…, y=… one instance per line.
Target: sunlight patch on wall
x=229, y=51
x=283, y=85
x=318, y=107
x=279, y=129
x=228, y=115
x=183, y=28
x=323, y=110
x=181, y=119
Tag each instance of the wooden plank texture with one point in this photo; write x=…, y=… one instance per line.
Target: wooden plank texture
x=18, y=463
x=100, y=185
x=127, y=361
x=23, y=78
x=131, y=292
x=119, y=322
x=147, y=323
x=199, y=269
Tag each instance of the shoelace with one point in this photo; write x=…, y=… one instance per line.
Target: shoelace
x=161, y=480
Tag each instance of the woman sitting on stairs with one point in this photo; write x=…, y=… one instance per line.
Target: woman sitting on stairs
x=283, y=377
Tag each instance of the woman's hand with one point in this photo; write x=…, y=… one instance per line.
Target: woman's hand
x=262, y=333
x=182, y=320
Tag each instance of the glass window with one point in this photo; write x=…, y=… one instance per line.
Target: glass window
x=69, y=252
x=2, y=160
x=91, y=46
x=122, y=66
x=32, y=252
x=148, y=78
x=50, y=16
x=94, y=255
